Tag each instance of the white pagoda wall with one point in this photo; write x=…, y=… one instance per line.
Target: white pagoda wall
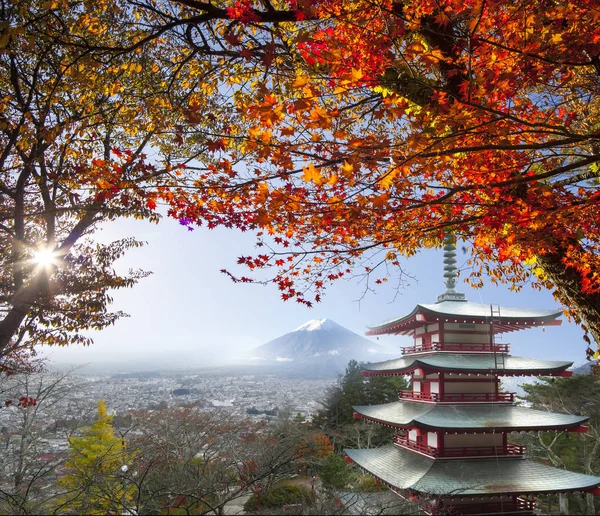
x=427, y=329
x=466, y=338
x=466, y=328
x=469, y=387
x=462, y=440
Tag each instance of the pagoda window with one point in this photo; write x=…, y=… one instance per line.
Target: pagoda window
x=435, y=338
x=434, y=387
x=413, y=435
x=416, y=386
x=418, y=341
x=432, y=439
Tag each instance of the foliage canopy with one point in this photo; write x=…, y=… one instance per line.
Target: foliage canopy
x=346, y=134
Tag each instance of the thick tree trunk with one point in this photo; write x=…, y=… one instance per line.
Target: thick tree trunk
x=23, y=301
x=585, y=308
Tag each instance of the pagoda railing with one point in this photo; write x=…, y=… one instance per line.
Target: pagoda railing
x=521, y=505
x=454, y=346
x=470, y=397
x=511, y=450
x=404, y=442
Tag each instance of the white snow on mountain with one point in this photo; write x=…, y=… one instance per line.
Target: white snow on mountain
x=317, y=324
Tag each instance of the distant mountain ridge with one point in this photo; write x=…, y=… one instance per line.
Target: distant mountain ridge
x=320, y=345
x=585, y=368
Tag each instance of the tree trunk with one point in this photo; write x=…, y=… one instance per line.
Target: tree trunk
x=590, y=507
x=563, y=504
x=23, y=301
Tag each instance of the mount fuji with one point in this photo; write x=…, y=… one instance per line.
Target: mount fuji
x=320, y=346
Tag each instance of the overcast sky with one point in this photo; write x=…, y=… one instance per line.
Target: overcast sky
x=187, y=312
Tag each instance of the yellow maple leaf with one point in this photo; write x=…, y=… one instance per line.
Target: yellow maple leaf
x=388, y=179
x=265, y=136
x=262, y=191
x=300, y=81
x=254, y=132
x=357, y=74
x=347, y=168
x=311, y=174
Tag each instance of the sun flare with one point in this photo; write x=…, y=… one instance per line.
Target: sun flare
x=44, y=257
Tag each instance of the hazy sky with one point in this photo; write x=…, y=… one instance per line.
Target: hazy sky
x=188, y=312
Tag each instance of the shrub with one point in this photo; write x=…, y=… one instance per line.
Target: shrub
x=367, y=484
x=279, y=496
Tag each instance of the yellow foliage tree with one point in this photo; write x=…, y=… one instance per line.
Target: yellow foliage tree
x=96, y=482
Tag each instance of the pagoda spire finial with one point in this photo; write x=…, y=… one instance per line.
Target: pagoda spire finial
x=450, y=270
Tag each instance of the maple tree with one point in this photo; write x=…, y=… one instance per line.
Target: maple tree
x=346, y=134
x=380, y=125
x=78, y=118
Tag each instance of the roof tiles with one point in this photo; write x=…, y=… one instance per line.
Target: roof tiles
x=480, y=363
x=468, y=417
x=405, y=470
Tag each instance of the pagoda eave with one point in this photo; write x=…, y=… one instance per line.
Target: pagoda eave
x=468, y=363
x=465, y=312
x=473, y=372
x=468, y=417
x=405, y=326
x=403, y=492
x=403, y=470
x=577, y=428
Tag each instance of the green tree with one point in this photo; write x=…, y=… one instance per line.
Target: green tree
x=353, y=389
x=578, y=395
x=336, y=418
x=334, y=472
x=96, y=483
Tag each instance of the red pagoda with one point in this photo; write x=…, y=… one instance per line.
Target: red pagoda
x=451, y=452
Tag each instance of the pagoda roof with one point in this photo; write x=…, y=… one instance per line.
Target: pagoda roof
x=403, y=469
x=468, y=417
x=509, y=319
x=467, y=363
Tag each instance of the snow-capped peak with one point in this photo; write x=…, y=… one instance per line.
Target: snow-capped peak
x=317, y=324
